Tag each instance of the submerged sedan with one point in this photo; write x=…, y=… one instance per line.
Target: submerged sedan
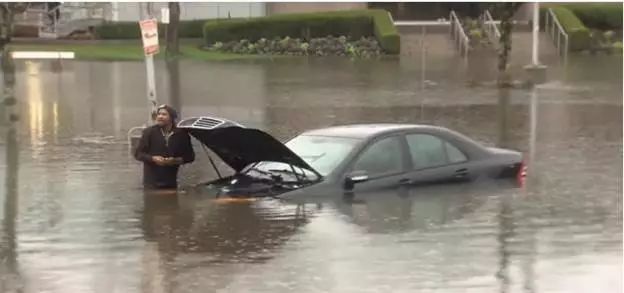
x=347, y=159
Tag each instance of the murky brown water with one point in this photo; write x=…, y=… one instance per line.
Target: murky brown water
x=76, y=220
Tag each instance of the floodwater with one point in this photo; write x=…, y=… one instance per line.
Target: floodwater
x=75, y=219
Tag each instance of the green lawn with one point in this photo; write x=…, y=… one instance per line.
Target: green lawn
x=127, y=51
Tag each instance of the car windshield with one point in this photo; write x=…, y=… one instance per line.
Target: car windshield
x=322, y=153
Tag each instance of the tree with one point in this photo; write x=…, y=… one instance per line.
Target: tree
x=7, y=17
x=505, y=11
x=173, y=44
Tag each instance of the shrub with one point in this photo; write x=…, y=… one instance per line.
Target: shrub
x=130, y=30
x=355, y=24
x=603, y=16
x=385, y=31
x=577, y=32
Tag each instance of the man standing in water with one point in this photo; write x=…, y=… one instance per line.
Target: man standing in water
x=162, y=149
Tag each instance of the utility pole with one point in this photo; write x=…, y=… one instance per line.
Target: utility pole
x=536, y=71
x=149, y=66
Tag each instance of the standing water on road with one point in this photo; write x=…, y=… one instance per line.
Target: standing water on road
x=75, y=218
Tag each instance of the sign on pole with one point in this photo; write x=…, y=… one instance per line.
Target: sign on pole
x=149, y=33
x=164, y=15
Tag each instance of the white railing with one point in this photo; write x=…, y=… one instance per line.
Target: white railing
x=557, y=33
x=490, y=27
x=62, y=16
x=459, y=35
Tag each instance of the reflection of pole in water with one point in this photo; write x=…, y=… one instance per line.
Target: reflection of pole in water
x=503, y=107
x=505, y=232
x=532, y=134
x=423, y=58
x=116, y=93
x=8, y=246
x=528, y=267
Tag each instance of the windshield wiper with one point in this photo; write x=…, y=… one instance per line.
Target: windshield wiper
x=293, y=172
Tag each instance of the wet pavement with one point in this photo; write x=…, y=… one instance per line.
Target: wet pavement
x=75, y=218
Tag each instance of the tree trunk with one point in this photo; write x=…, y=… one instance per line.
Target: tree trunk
x=173, y=70
x=173, y=43
x=8, y=68
x=507, y=11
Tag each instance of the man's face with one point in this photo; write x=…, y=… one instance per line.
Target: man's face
x=163, y=118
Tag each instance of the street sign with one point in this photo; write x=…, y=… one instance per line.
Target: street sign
x=164, y=15
x=149, y=34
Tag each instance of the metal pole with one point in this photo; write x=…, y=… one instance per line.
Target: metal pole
x=151, y=80
x=535, y=33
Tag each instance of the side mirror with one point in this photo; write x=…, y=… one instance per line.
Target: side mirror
x=355, y=177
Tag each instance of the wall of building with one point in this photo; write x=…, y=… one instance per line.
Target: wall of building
x=292, y=7
x=131, y=11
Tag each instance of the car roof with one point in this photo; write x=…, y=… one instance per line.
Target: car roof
x=363, y=131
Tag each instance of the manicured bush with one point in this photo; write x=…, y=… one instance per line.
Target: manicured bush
x=118, y=31
x=191, y=29
x=355, y=24
x=603, y=16
x=577, y=32
x=385, y=31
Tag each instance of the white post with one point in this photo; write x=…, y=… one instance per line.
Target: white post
x=535, y=32
x=151, y=80
x=115, y=11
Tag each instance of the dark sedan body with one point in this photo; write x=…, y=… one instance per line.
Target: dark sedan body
x=350, y=159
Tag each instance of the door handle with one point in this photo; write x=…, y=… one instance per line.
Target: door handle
x=461, y=173
x=405, y=181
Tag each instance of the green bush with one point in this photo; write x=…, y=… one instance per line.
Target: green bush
x=603, y=16
x=118, y=31
x=577, y=32
x=130, y=30
x=385, y=31
x=356, y=24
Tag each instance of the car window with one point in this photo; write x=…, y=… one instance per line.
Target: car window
x=454, y=154
x=382, y=157
x=430, y=151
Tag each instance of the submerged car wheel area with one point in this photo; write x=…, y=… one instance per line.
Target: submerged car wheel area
x=351, y=159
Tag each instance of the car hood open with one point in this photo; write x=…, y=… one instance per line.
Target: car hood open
x=238, y=146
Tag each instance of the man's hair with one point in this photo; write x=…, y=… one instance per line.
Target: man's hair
x=172, y=112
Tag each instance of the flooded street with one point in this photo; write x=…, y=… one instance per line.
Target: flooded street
x=75, y=218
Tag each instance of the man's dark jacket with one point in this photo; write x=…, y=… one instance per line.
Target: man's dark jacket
x=152, y=143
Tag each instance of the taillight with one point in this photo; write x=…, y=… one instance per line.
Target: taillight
x=522, y=174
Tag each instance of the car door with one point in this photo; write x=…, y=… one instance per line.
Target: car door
x=435, y=160
x=384, y=161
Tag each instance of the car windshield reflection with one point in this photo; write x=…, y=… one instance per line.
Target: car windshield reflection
x=322, y=153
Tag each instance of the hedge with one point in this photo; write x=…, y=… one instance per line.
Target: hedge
x=353, y=23
x=131, y=30
x=603, y=16
x=577, y=32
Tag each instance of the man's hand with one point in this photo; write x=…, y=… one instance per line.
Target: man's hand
x=159, y=160
x=171, y=161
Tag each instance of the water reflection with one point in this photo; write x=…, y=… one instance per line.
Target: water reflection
x=10, y=276
x=192, y=233
x=414, y=209
x=82, y=206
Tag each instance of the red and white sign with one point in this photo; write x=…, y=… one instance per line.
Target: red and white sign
x=149, y=33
